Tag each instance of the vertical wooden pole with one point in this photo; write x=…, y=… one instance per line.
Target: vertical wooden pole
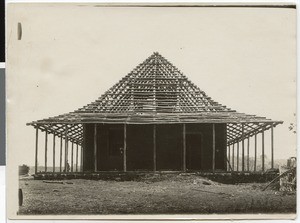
x=228, y=157
x=214, y=147
x=263, y=151
x=53, y=153
x=184, y=147
x=272, y=146
x=77, y=157
x=248, y=154
x=72, y=157
x=66, y=147
x=255, y=151
x=60, y=157
x=36, y=148
x=95, y=148
x=238, y=157
x=154, y=147
x=82, y=159
x=233, y=156
x=46, y=149
x=125, y=149
x=243, y=150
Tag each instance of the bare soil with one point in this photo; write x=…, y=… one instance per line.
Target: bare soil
x=154, y=194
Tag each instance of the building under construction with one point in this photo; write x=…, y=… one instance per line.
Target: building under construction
x=153, y=119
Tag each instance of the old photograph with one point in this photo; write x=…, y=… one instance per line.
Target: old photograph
x=144, y=111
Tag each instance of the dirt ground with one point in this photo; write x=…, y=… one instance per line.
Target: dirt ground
x=152, y=195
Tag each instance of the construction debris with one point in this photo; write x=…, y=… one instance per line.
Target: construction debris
x=287, y=176
x=53, y=182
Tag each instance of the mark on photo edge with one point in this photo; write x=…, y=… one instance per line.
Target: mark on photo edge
x=19, y=31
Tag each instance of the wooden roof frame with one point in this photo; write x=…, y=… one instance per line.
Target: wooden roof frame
x=155, y=92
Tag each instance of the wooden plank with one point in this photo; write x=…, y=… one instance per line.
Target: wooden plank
x=238, y=156
x=82, y=150
x=125, y=149
x=184, y=147
x=214, y=147
x=248, y=154
x=82, y=157
x=233, y=157
x=72, y=157
x=228, y=157
x=243, y=150
x=272, y=147
x=154, y=147
x=53, y=153
x=76, y=157
x=60, y=157
x=46, y=150
x=36, y=149
x=66, y=148
x=263, y=151
x=255, y=151
x=95, y=148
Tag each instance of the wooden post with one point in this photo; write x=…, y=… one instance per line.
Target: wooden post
x=228, y=157
x=248, y=153
x=81, y=157
x=66, y=147
x=255, y=151
x=154, y=147
x=46, y=149
x=243, y=150
x=95, y=148
x=77, y=157
x=238, y=157
x=214, y=147
x=184, y=147
x=125, y=148
x=53, y=153
x=36, y=148
x=60, y=157
x=72, y=157
x=232, y=156
x=263, y=150
x=272, y=146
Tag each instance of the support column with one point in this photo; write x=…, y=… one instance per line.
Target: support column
x=125, y=149
x=228, y=156
x=81, y=157
x=36, y=149
x=66, y=147
x=46, y=149
x=272, y=146
x=263, y=151
x=214, y=147
x=248, y=154
x=95, y=148
x=72, y=157
x=243, y=150
x=233, y=157
x=60, y=157
x=184, y=147
x=238, y=156
x=255, y=151
x=154, y=147
x=77, y=157
x=53, y=153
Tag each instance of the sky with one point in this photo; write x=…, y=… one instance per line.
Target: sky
x=244, y=58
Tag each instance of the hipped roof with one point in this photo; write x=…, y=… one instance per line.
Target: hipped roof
x=155, y=92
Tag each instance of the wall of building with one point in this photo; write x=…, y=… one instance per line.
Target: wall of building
x=205, y=130
x=139, y=147
x=139, y=139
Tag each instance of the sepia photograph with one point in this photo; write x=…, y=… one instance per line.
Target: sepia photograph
x=151, y=111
